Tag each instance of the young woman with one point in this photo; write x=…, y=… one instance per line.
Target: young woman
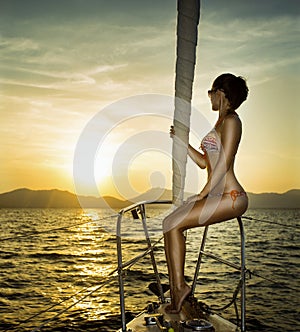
x=222, y=198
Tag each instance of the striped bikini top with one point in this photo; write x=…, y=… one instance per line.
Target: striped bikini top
x=211, y=142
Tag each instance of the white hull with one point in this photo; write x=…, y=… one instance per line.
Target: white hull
x=150, y=322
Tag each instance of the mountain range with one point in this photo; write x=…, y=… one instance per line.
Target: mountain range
x=27, y=198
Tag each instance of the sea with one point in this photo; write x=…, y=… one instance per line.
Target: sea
x=57, y=268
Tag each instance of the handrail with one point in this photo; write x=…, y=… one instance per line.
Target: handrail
x=142, y=210
x=140, y=207
x=241, y=268
x=147, y=202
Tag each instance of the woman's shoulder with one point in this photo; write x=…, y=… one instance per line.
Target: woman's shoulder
x=232, y=119
x=231, y=124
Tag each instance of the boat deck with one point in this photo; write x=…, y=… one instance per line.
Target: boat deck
x=158, y=320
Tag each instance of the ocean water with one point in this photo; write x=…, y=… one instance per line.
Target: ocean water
x=55, y=263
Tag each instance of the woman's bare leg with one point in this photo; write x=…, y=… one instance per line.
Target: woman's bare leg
x=175, y=249
x=201, y=213
x=175, y=255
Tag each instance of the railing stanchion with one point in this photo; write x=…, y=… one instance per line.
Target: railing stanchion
x=243, y=276
x=241, y=268
x=120, y=271
x=149, y=244
x=120, y=259
x=199, y=260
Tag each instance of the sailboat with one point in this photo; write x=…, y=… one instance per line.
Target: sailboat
x=195, y=315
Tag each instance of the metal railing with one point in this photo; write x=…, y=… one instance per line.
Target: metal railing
x=135, y=209
x=139, y=209
x=241, y=268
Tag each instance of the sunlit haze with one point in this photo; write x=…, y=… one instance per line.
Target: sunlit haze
x=63, y=62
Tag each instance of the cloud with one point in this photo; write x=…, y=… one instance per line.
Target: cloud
x=102, y=55
x=61, y=64
x=12, y=45
x=256, y=48
x=105, y=69
x=250, y=9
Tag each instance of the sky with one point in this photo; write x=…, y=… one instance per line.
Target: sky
x=86, y=90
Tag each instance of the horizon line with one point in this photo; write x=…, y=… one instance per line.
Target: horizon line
x=164, y=189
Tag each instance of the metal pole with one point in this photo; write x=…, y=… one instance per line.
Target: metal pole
x=120, y=271
x=160, y=289
x=243, y=276
x=199, y=260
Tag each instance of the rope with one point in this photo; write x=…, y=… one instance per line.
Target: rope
x=235, y=294
x=112, y=275
x=59, y=303
x=128, y=265
x=251, y=273
x=46, y=310
x=213, y=308
x=271, y=222
x=270, y=280
x=56, y=229
x=72, y=305
x=234, y=297
x=259, y=275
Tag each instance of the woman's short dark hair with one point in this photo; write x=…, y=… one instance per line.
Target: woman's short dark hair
x=234, y=87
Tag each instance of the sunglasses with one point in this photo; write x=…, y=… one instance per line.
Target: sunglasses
x=210, y=92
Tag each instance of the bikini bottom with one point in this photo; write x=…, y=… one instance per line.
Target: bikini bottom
x=234, y=194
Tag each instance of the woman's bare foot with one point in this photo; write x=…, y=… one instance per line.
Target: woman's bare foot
x=178, y=296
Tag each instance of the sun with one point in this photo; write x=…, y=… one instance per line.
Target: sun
x=103, y=163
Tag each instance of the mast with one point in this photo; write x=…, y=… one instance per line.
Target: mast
x=187, y=34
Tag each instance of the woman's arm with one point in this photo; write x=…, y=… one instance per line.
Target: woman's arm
x=197, y=157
